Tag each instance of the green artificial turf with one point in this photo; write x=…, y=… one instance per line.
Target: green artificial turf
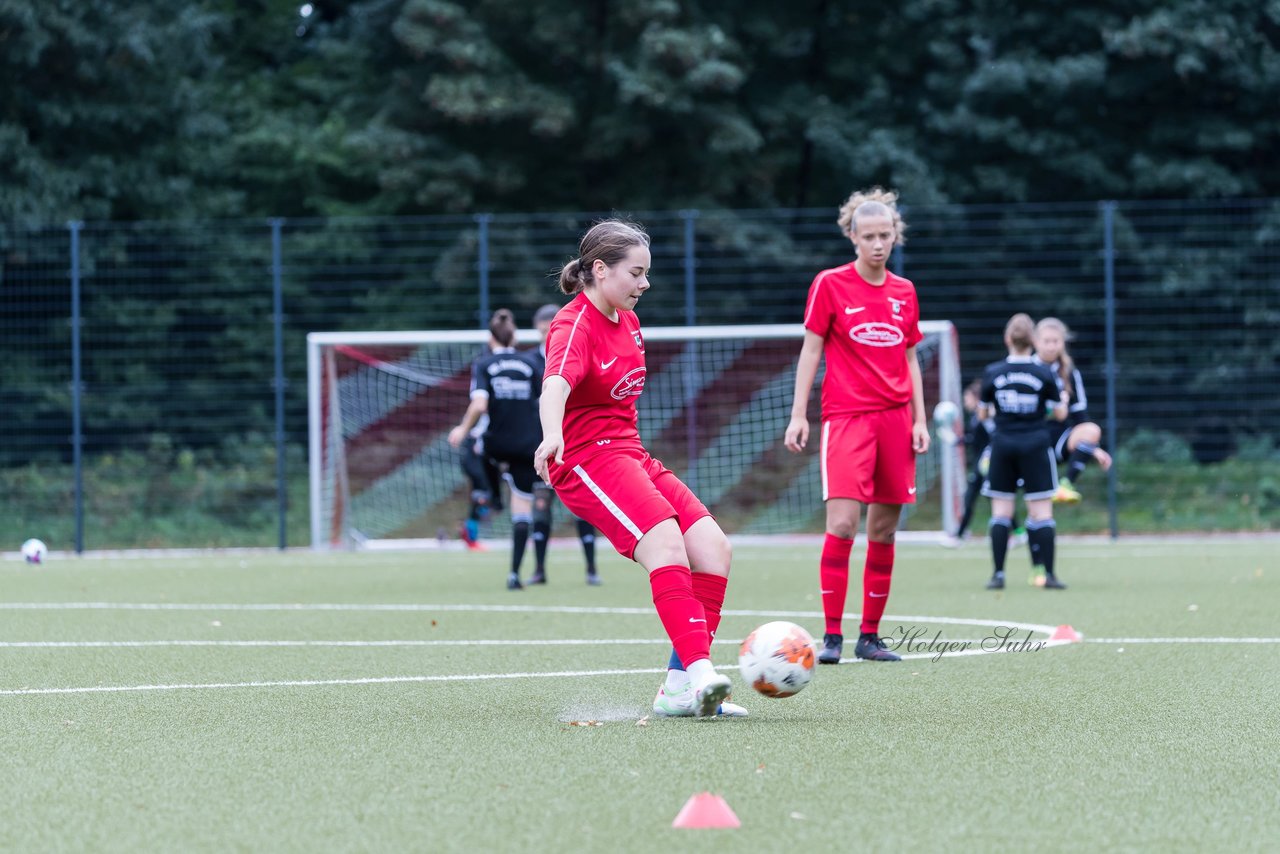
x=1109, y=744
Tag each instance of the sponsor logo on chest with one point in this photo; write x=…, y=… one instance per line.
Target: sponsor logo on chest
x=877, y=334
x=631, y=384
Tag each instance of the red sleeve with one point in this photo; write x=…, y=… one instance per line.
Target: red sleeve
x=914, y=335
x=568, y=347
x=817, y=312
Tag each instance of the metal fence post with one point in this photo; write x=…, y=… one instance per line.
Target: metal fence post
x=1109, y=275
x=277, y=307
x=690, y=267
x=482, y=266
x=690, y=378
x=77, y=424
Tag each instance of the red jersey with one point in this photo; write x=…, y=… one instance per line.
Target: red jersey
x=602, y=360
x=866, y=330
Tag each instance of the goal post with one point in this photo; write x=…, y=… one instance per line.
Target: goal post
x=717, y=400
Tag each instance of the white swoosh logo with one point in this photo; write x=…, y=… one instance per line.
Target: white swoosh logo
x=911, y=491
x=604, y=366
x=848, y=310
x=877, y=595
x=696, y=620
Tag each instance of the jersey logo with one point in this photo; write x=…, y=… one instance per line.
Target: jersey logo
x=631, y=384
x=604, y=366
x=848, y=310
x=639, y=341
x=897, y=304
x=875, y=334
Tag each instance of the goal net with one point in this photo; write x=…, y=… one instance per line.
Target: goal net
x=715, y=405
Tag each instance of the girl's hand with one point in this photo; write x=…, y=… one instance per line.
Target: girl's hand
x=797, y=435
x=920, y=437
x=552, y=447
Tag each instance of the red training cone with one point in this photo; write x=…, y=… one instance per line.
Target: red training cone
x=706, y=810
x=1066, y=633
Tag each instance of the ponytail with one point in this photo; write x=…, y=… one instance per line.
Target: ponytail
x=1017, y=332
x=502, y=326
x=573, y=278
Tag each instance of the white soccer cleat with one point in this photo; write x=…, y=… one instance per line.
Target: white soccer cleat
x=681, y=704
x=674, y=704
x=708, y=696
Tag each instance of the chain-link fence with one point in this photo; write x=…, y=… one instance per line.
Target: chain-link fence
x=154, y=388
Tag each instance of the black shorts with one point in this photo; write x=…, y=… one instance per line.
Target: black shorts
x=1059, y=431
x=1021, y=457
x=518, y=471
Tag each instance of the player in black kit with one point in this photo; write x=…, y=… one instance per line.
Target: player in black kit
x=1018, y=391
x=505, y=386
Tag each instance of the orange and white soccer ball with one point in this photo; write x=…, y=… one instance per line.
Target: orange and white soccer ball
x=777, y=659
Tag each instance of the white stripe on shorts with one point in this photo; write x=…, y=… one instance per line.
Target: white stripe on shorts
x=608, y=503
x=826, y=434
x=1053, y=475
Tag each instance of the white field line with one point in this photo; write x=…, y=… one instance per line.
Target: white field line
x=972, y=647
x=314, y=683
x=510, y=642
x=461, y=677
x=509, y=609
x=505, y=642
x=1183, y=640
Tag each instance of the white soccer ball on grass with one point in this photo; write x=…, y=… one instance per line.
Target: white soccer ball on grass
x=34, y=551
x=777, y=659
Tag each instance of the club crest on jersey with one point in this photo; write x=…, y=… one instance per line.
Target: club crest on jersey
x=631, y=384
x=639, y=341
x=897, y=304
x=877, y=334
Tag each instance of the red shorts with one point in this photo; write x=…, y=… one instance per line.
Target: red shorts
x=869, y=457
x=624, y=493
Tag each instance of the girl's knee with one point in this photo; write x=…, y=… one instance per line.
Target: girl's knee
x=1087, y=432
x=841, y=528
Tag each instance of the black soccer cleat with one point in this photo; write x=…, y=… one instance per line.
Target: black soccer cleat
x=1051, y=582
x=538, y=578
x=996, y=582
x=871, y=648
x=513, y=582
x=832, y=648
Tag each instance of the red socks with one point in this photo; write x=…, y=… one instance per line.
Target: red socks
x=682, y=615
x=875, y=585
x=709, y=590
x=833, y=574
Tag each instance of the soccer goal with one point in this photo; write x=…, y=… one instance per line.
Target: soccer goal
x=715, y=406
